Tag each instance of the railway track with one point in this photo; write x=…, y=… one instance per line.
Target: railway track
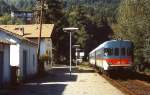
x=130, y=83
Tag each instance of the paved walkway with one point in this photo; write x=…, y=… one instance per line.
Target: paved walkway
x=59, y=82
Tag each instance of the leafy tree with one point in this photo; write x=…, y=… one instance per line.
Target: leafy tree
x=6, y=19
x=53, y=14
x=20, y=4
x=134, y=24
x=93, y=29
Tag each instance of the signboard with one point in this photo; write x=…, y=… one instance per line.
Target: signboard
x=81, y=54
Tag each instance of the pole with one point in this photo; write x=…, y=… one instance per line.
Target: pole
x=70, y=53
x=39, y=39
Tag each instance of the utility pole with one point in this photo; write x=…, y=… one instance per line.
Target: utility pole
x=40, y=66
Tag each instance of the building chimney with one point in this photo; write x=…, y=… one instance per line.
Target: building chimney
x=22, y=30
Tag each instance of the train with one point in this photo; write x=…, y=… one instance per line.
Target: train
x=112, y=55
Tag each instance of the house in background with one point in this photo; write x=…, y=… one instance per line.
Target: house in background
x=32, y=32
x=4, y=62
x=25, y=16
x=22, y=53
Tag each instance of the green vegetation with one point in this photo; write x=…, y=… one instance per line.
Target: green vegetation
x=134, y=24
x=6, y=6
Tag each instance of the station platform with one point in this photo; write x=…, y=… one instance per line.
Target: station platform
x=58, y=81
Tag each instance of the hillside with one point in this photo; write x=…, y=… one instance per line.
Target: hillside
x=21, y=4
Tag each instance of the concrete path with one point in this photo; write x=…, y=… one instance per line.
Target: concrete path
x=59, y=82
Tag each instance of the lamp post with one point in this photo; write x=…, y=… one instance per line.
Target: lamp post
x=76, y=53
x=70, y=30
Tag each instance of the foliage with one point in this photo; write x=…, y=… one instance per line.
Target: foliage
x=20, y=4
x=93, y=30
x=134, y=24
x=6, y=19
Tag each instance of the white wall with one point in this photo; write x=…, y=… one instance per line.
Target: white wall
x=46, y=43
x=14, y=53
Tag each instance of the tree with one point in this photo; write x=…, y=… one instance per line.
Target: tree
x=53, y=14
x=134, y=24
x=7, y=19
x=93, y=29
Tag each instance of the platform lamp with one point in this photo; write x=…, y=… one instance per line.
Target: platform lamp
x=70, y=30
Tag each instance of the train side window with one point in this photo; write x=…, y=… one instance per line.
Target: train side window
x=116, y=51
x=129, y=52
x=111, y=51
x=108, y=51
x=105, y=52
x=123, y=51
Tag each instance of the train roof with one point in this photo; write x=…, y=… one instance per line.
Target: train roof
x=109, y=43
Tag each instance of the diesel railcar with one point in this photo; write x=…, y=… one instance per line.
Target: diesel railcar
x=113, y=54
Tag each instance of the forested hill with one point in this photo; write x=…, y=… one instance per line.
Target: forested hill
x=7, y=5
x=4, y=7
x=92, y=3
x=21, y=4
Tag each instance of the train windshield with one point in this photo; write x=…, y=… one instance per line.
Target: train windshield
x=108, y=51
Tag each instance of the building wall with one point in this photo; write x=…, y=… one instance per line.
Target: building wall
x=31, y=64
x=16, y=54
x=46, y=44
x=14, y=49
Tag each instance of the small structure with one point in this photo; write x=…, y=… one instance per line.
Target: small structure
x=4, y=62
x=22, y=53
x=26, y=16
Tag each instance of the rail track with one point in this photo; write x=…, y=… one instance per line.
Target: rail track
x=130, y=83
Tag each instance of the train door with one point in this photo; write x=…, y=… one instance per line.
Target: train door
x=1, y=67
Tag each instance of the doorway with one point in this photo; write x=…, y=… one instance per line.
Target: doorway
x=1, y=66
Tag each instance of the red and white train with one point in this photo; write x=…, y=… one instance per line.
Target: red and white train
x=113, y=54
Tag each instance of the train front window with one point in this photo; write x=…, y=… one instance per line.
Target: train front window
x=116, y=51
x=123, y=51
x=108, y=51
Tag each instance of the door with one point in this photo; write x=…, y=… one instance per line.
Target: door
x=24, y=64
x=1, y=66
